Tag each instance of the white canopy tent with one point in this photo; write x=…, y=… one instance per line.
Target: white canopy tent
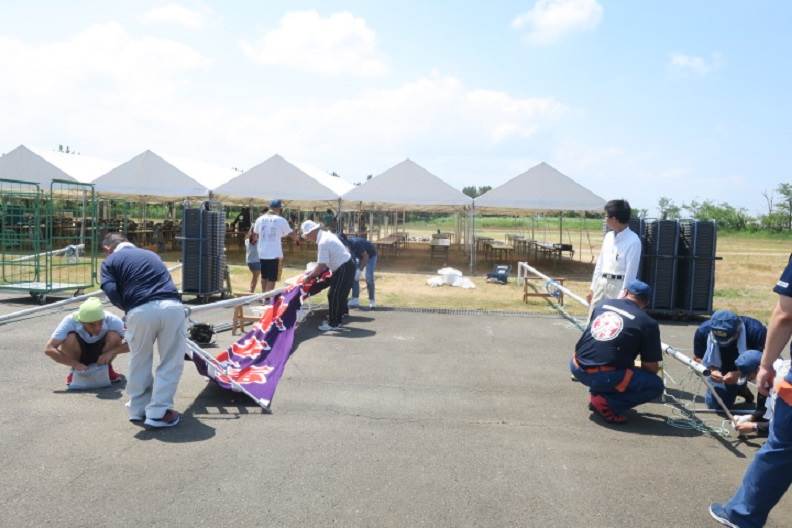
x=24, y=164
x=277, y=178
x=406, y=186
x=540, y=188
x=148, y=175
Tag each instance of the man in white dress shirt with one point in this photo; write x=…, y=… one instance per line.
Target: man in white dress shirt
x=332, y=255
x=619, y=257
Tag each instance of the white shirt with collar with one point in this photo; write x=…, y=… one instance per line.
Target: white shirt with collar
x=620, y=255
x=123, y=245
x=332, y=251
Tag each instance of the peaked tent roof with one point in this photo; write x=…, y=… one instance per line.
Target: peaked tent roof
x=83, y=168
x=408, y=185
x=541, y=188
x=149, y=175
x=24, y=164
x=277, y=178
x=335, y=183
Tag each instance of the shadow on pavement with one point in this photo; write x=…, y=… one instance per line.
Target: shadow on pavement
x=113, y=392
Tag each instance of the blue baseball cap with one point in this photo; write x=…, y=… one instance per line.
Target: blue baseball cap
x=724, y=325
x=639, y=288
x=276, y=204
x=748, y=362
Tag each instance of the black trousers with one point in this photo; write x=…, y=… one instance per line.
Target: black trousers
x=338, y=295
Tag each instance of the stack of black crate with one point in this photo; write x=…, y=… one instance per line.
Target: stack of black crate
x=203, y=250
x=696, y=266
x=660, y=262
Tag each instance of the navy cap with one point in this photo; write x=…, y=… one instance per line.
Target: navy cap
x=276, y=204
x=639, y=288
x=724, y=325
x=748, y=362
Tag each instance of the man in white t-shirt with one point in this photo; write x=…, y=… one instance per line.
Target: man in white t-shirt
x=332, y=254
x=89, y=335
x=268, y=231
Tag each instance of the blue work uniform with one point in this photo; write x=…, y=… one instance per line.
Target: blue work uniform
x=755, y=335
x=770, y=474
x=619, y=331
x=358, y=246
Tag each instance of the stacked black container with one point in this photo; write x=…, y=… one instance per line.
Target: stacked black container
x=203, y=250
x=696, y=267
x=660, y=262
x=678, y=262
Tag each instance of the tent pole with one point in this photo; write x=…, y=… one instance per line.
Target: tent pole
x=472, y=237
x=561, y=227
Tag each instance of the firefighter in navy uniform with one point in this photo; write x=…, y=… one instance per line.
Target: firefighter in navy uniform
x=770, y=474
x=619, y=331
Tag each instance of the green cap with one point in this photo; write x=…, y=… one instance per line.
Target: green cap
x=90, y=311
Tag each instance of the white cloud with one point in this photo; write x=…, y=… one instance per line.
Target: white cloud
x=550, y=20
x=112, y=94
x=339, y=44
x=176, y=14
x=695, y=64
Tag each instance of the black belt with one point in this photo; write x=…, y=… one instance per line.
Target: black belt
x=612, y=276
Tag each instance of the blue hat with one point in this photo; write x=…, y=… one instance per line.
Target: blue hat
x=639, y=288
x=724, y=325
x=748, y=362
x=276, y=204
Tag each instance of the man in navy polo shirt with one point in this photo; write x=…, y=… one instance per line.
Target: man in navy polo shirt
x=770, y=474
x=365, y=255
x=619, y=331
x=718, y=343
x=137, y=281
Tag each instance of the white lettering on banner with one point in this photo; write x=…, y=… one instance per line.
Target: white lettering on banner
x=619, y=311
x=607, y=326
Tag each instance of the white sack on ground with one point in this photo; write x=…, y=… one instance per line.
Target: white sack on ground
x=450, y=277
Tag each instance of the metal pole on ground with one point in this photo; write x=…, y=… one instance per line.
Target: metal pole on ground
x=22, y=314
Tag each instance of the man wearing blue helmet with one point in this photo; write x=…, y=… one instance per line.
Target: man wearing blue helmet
x=718, y=343
x=604, y=360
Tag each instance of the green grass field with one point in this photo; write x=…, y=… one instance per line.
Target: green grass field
x=745, y=276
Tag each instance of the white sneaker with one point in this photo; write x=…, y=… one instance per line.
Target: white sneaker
x=354, y=302
x=325, y=327
x=372, y=305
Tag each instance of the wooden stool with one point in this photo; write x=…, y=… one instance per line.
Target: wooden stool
x=526, y=293
x=241, y=320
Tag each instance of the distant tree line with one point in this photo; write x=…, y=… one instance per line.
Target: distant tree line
x=778, y=217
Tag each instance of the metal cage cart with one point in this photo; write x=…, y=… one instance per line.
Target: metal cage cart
x=48, y=241
x=203, y=251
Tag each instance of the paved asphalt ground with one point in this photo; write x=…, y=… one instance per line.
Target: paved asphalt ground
x=408, y=419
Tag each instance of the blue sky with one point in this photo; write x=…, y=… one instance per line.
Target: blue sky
x=636, y=99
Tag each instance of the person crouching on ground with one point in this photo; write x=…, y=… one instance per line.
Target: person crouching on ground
x=604, y=360
x=332, y=255
x=86, y=337
x=718, y=344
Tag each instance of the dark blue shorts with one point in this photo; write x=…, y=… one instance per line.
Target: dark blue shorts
x=269, y=269
x=254, y=266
